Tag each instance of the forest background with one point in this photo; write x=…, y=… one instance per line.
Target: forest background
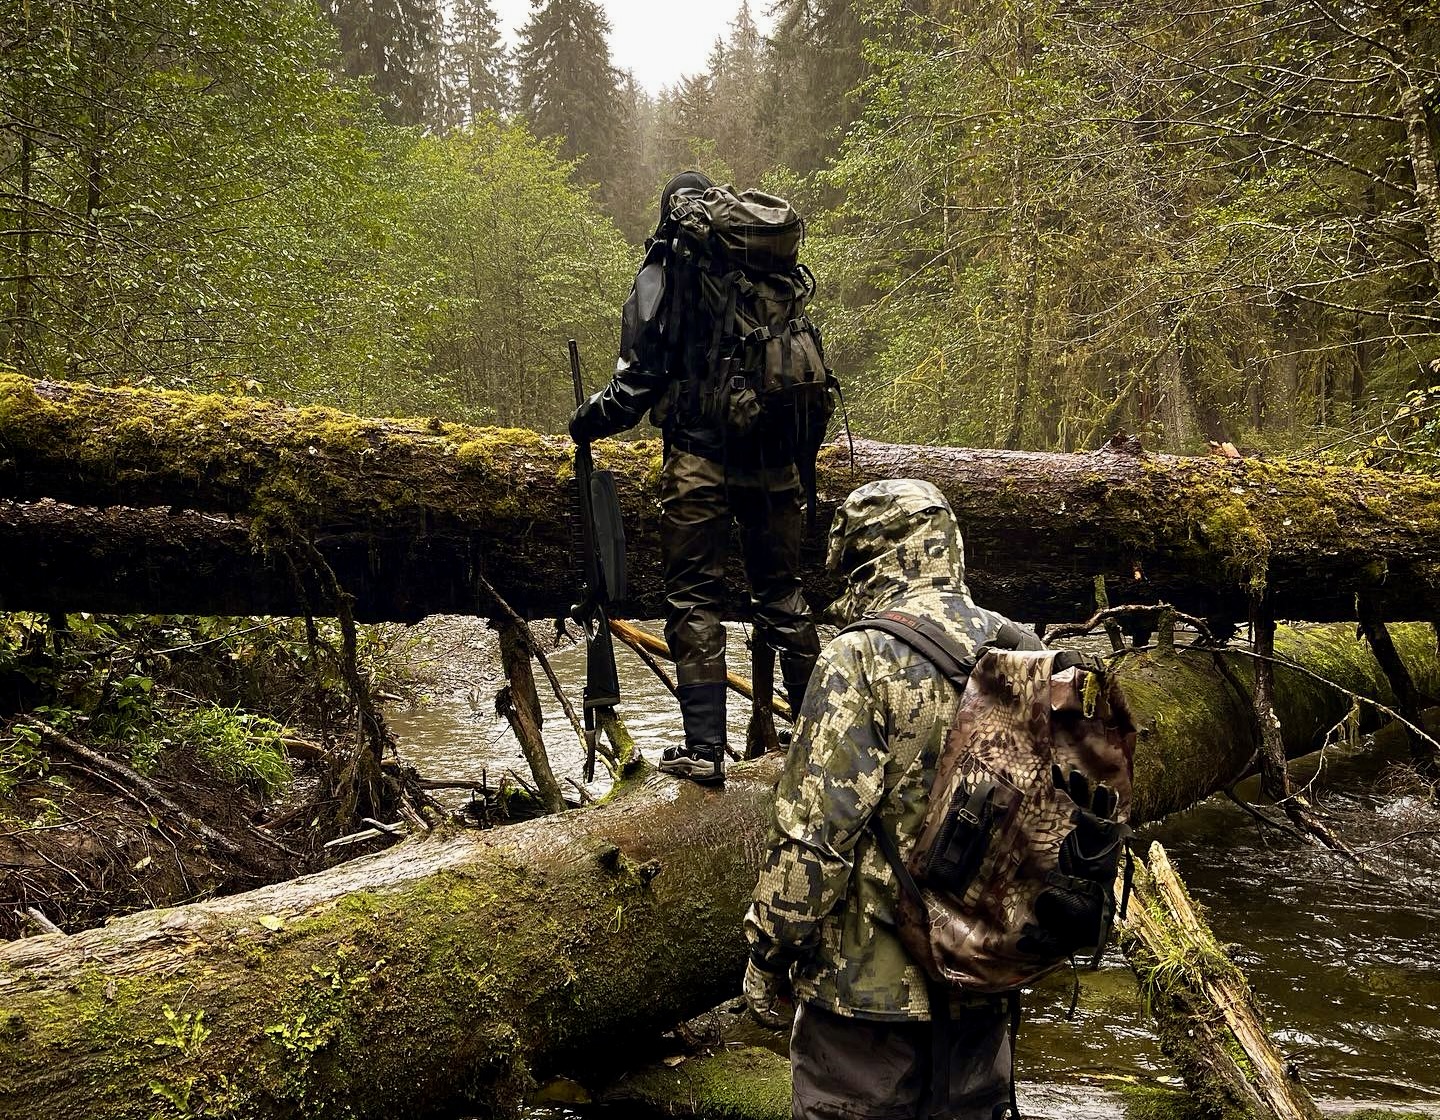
x=1034, y=222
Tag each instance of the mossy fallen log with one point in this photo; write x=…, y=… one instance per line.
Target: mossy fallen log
x=1209, y=1023
x=406, y=511
x=743, y=1083
x=448, y=970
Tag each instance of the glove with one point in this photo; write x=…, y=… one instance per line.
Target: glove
x=1073, y=916
x=763, y=996
x=1092, y=849
x=578, y=427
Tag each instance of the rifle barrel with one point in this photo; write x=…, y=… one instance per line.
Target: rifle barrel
x=575, y=373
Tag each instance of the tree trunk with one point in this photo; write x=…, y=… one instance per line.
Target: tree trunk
x=519, y=703
x=406, y=512
x=1422, y=159
x=449, y=970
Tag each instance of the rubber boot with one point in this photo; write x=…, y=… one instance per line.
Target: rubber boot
x=702, y=758
x=796, y=672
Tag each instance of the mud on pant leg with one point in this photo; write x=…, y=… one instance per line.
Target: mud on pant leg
x=694, y=542
x=768, y=509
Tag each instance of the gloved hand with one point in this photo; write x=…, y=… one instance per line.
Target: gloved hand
x=578, y=428
x=764, y=991
x=1074, y=915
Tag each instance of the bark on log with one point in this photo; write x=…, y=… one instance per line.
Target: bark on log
x=405, y=511
x=449, y=968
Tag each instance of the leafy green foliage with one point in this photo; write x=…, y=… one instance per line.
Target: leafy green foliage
x=1190, y=222
x=1411, y=436
x=224, y=692
x=194, y=197
x=495, y=261
x=21, y=759
x=239, y=746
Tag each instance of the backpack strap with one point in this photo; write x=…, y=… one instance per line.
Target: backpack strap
x=931, y=641
x=926, y=638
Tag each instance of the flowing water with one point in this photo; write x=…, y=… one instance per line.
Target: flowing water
x=1347, y=967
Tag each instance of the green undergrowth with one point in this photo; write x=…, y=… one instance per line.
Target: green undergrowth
x=239, y=746
x=147, y=689
x=206, y=712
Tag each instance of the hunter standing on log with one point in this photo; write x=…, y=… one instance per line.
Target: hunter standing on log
x=876, y=1037
x=716, y=346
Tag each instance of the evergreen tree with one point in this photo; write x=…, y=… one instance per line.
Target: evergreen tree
x=476, y=65
x=396, y=44
x=737, y=72
x=635, y=184
x=815, y=66
x=568, y=88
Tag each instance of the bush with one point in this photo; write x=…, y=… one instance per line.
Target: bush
x=238, y=746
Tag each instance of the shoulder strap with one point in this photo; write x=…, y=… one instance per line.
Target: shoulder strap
x=926, y=638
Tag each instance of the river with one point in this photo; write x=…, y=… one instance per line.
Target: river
x=1346, y=967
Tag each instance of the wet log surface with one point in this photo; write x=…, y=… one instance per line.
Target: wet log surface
x=407, y=512
x=450, y=969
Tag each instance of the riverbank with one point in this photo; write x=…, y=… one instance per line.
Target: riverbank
x=151, y=761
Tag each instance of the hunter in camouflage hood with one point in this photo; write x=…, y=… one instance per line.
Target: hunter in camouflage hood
x=891, y=540
x=865, y=745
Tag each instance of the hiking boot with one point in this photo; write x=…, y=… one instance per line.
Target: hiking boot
x=705, y=767
x=702, y=758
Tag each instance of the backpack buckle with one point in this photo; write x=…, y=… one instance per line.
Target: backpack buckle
x=800, y=325
x=760, y=334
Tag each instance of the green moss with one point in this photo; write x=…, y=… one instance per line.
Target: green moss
x=1154, y=1102
x=1388, y=1114
x=1232, y=531
x=748, y=1083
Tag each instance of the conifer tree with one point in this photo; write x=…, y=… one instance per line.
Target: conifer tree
x=476, y=65
x=396, y=44
x=815, y=64
x=568, y=88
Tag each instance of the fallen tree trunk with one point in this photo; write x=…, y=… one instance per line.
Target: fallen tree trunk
x=1209, y=1023
x=407, y=511
x=448, y=969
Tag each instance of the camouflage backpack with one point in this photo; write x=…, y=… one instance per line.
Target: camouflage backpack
x=757, y=361
x=1014, y=869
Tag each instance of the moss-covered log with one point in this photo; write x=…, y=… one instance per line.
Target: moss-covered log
x=1209, y=1023
x=406, y=511
x=449, y=968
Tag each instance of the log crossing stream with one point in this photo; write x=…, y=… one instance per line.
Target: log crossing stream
x=1347, y=969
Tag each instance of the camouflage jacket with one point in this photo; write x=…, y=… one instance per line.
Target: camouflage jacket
x=865, y=746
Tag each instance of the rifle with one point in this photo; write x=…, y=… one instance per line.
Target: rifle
x=602, y=559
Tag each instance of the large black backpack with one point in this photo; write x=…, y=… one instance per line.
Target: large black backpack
x=755, y=362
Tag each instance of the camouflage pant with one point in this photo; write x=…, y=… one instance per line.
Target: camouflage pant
x=865, y=1069
x=698, y=500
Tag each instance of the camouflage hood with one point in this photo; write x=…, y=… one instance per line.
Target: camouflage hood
x=891, y=539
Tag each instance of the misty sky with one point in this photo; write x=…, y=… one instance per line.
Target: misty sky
x=658, y=39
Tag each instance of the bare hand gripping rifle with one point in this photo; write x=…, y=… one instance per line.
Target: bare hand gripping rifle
x=602, y=560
